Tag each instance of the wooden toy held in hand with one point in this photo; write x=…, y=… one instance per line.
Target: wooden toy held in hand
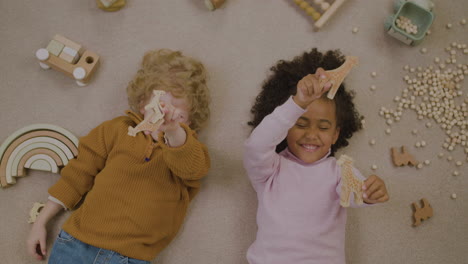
x=153, y=120
x=403, y=158
x=349, y=182
x=337, y=75
x=422, y=213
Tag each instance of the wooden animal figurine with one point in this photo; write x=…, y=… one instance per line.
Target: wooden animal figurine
x=349, y=182
x=152, y=121
x=337, y=75
x=214, y=4
x=422, y=213
x=403, y=158
x=34, y=213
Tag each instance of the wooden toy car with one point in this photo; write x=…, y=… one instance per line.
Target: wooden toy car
x=411, y=20
x=70, y=58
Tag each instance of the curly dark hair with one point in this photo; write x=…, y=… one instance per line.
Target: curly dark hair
x=282, y=83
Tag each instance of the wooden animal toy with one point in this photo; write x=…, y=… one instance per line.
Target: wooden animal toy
x=349, y=182
x=34, y=213
x=422, y=213
x=69, y=58
x=38, y=147
x=214, y=4
x=321, y=11
x=411, y=20
x=337, y=75
x=111, y=5
x=152, y=121
x=403, y=158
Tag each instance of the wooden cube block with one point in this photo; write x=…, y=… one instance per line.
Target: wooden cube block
x=66, y=57
x=71, y=52
x=68, y=43
x=55, y=47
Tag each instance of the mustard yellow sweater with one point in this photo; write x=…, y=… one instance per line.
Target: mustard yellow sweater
x=137, y=190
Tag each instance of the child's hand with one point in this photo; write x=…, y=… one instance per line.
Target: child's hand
x=174, y=133
x=36, y=242
x=374, y=190
x=309, y=90
x=171, y=117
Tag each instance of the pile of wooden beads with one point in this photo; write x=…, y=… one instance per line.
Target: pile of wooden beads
x=406, y=24
x=310, y=10
x=433, y=93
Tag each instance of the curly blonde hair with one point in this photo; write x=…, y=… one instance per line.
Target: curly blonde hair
x=173, y=72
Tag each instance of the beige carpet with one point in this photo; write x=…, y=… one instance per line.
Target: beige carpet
x=238, y=43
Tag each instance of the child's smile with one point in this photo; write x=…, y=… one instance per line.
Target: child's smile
x=309, y=148
x=315, y=132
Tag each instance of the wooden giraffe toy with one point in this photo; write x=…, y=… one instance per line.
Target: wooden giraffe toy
x=422, y=213
x=337, y=75
x=349, y=182
x=153, y=121
x=403, y=158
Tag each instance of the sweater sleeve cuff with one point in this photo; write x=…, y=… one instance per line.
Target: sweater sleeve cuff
x=189, y=161
x=189, y=141
x=55, y=200
x=65, y=193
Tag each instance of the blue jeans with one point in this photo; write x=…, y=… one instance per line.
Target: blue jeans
x=69, y=250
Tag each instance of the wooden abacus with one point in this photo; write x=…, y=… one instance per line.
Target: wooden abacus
x=328, y=8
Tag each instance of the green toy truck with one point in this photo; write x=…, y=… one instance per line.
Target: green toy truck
x=411, y=20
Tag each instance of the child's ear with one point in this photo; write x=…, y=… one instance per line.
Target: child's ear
x=336, y=135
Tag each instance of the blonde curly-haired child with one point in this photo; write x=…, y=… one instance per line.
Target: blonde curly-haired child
x=137, y=188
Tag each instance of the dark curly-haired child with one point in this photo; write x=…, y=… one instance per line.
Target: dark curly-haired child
x=289, y=160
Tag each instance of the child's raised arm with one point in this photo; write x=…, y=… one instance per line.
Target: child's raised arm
x=260, y=158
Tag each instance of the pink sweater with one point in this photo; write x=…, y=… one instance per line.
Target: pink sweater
x=299, y=216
